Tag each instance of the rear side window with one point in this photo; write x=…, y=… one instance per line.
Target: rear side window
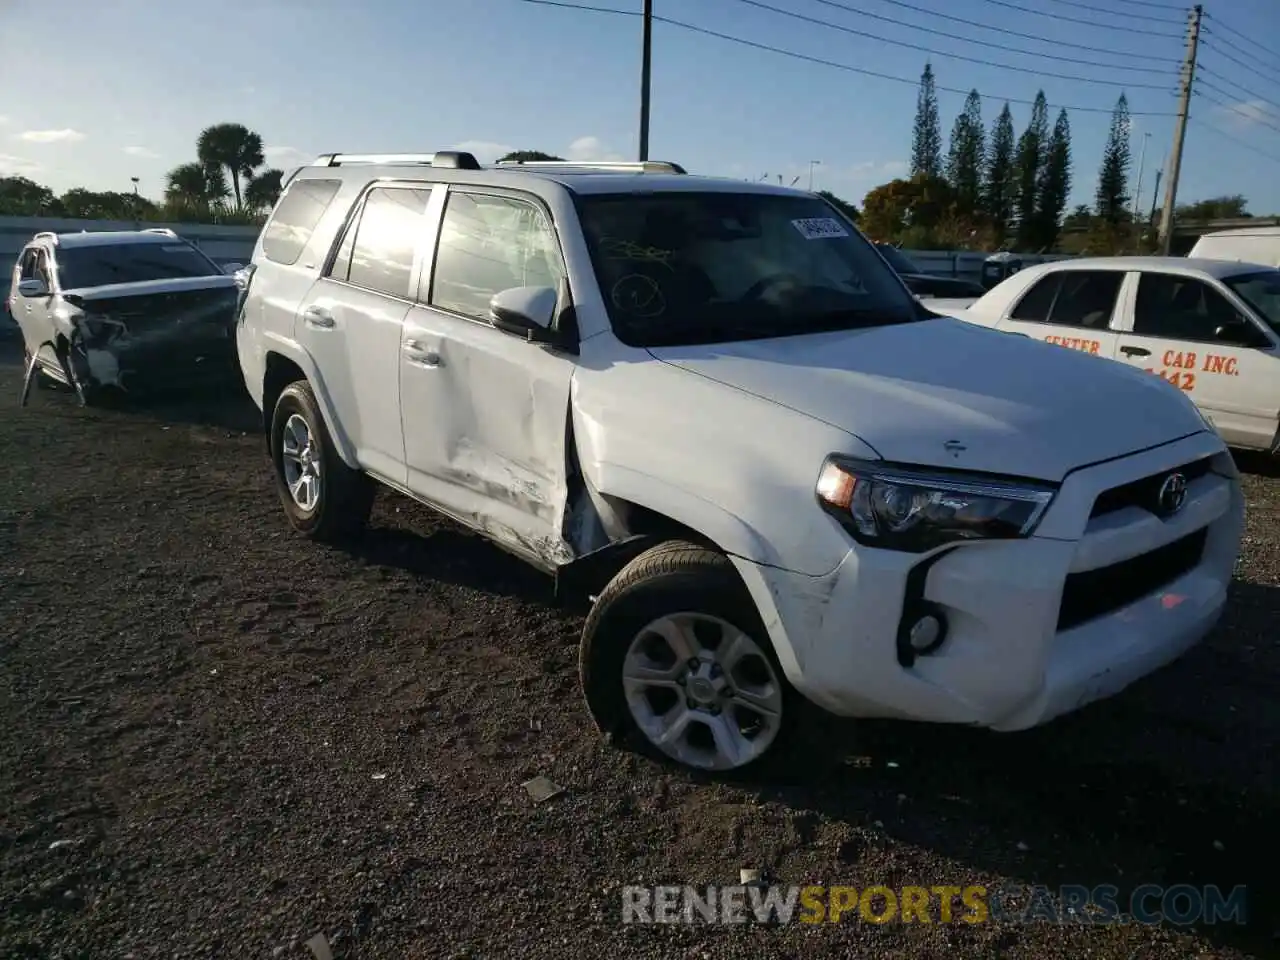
x=378, y=248
x=295, y=219
x=1072, y=298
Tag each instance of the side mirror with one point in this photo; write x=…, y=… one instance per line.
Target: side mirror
x=525, y=312
x=1241, y=333
x=231, y=268
x=34, y=287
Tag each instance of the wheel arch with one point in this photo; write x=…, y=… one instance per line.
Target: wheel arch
x=285, y=363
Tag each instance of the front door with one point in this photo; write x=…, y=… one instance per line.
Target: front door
x=351, y=322
x=1174, y=335
x=485, y=413
x=1071, y=309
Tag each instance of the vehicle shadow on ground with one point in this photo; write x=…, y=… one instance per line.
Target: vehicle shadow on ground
x=1257, y=463
x=1085, y=800
x=449, y=554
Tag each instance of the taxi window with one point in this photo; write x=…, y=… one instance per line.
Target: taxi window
x=1072, y=298
x=1180, y=308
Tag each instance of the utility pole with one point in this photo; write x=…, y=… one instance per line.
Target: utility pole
x=812, y=164
x=645, y=52
x=1180, y=129
x=1142, y=163
x=1155, y=195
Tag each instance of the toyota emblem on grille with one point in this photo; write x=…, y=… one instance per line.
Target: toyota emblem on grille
x=1172, y=495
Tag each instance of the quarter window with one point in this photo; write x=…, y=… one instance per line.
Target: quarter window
x=1180, y=308
x=294, y=220
x=489, y=244
x=378, y=249
x=1072, y=298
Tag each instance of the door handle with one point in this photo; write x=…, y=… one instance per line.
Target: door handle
x=1130, y=351
x=420, y=355
x=315, y=316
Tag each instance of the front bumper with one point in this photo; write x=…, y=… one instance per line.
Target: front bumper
x=1139, y=591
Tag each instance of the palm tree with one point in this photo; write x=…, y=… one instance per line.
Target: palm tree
x=234, y=147
x=264, y=189
x=195, y=185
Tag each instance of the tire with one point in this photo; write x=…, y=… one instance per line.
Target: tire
x=343, y=498
x=702, y=587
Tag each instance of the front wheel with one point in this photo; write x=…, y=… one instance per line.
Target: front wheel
x=674, y=656
x=323, y=498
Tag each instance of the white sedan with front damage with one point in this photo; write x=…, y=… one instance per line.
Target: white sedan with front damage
x=129, y=310
x=1209, y=327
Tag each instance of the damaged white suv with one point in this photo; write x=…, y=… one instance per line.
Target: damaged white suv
x=712, y=408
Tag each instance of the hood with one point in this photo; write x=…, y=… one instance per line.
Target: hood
x=147, y=287
x=1016, y=406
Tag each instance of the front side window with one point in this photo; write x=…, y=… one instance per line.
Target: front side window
x=104, y=264
x=1180, y=308
x=489, y=244
x=691, y=267
x=378, y=249
x=1072, y=298
x=1261, y=291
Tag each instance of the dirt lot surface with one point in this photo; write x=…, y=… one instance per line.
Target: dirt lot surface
x=217, y=740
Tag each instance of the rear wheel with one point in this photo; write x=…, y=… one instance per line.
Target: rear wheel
x=675, y=658
x=323, y=498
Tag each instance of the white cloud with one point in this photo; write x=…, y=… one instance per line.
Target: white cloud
x=486, y=151
x=65, y=135
x=3, y=121
x=591, y=148
x=287, y=156
x=1249, y=113
x=11, y=166
x=142, y=153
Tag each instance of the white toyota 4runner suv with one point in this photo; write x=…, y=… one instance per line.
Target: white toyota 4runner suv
x=714, y=410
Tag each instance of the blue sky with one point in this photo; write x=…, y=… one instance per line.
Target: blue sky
x=130, y=96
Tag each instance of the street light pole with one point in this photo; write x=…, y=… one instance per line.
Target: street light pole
x=812, y=164
x=646, y=47
x=1142, y=162
x=136, y=204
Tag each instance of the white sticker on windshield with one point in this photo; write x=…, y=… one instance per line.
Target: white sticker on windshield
x=820, y=228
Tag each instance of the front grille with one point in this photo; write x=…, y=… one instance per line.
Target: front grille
x=1144, y=492
x=1095, y=593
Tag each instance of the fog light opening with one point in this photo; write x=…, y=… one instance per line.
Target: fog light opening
x=923, y=631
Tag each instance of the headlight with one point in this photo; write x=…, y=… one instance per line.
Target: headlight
x=914, y=511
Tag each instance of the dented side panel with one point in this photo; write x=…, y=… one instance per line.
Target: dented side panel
x=484, y=417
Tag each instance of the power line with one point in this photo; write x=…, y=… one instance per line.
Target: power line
x=935, y=14
x=820, y=61
x=1238, y=142
x=1219, y=42
x=1075, y=78
x=1066, y=19
x=1244, y=90
x=1157, y=6
x=1146, y=17
x=1247, y=39
x=942, y=33
x=1251, y=117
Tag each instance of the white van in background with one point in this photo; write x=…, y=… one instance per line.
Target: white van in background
x=1249, y=244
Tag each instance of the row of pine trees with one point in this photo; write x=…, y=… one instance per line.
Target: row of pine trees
x=1013, y=187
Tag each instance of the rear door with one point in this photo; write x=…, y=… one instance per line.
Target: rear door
x=1173, y=333
x=1070, y=308
x=352, y=318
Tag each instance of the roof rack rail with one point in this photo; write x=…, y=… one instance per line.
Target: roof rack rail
x=620, y=166
x=47, y=235
x=453, y=159
x=163, y=231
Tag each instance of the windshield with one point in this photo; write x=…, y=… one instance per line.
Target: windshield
x=683, y=268
x=100, y=265
x=1262, y=292
x=897, y=259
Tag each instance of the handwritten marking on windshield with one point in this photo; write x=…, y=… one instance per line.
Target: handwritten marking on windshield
x=638, y=296
x=615, y=249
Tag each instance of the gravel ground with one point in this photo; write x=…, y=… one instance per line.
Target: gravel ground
x=219, y=741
